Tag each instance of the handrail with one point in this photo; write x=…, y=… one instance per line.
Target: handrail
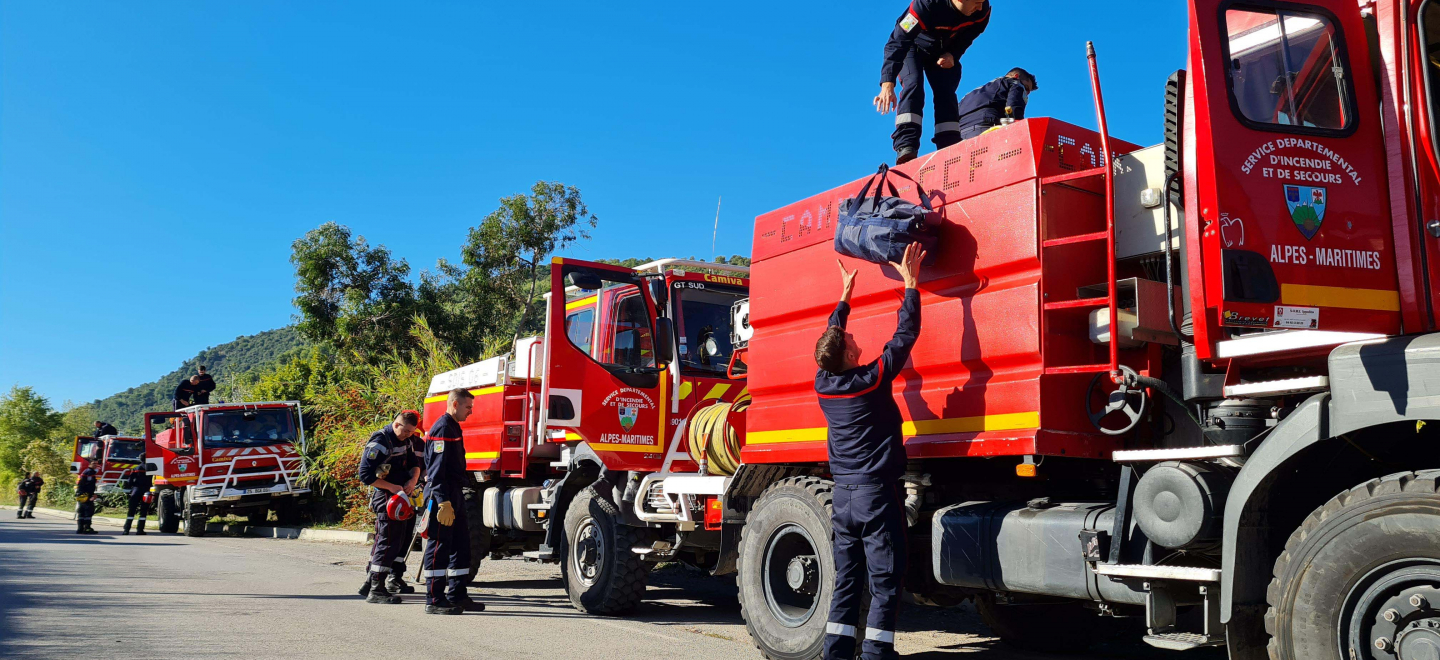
x=1109, y=173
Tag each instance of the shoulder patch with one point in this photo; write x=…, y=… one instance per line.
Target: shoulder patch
x=909, y=22
x=439, y=446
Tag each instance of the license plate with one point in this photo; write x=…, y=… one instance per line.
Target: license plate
x=253, y=491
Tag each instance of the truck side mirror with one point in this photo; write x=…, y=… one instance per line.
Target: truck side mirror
x=587, y=280
x=664, y=341
x=660, y=293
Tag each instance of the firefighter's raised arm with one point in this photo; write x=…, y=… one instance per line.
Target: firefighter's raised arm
x=907, y=330
x=841, y=314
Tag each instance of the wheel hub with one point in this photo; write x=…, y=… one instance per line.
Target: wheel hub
x=791, y=575
x=803, y=574
x=1394, y=613
x=587, y=552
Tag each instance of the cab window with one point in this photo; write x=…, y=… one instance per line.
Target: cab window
x=580, y=328
x=1430, y=41
x=630, y=340
x=1287, y=69
x=90, y=450
x=704, y=325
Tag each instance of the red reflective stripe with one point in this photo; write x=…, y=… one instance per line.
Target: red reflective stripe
x=916, y=15
x=850, y=396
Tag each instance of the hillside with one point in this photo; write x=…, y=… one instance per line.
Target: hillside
x=126, y=410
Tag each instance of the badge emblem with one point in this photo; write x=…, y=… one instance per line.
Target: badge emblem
x=1307, y=208
x=628, y=415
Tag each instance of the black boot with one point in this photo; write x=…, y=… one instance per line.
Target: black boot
x=365, y=588
x=464, y=602
x=438, y=603
x=397, y=584
x=905, y=155
x=442, y=607
x=378, y=592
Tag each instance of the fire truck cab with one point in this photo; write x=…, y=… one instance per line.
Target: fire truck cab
x=215, y=459
x=113, y=456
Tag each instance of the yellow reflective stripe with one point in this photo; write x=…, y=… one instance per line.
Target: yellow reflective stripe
x=685, y=388
x=479, y=392
x=583, y=302
x=571, y=435
x=477, y=455
x=717, y=392
x=1309, y=295
x=1004, y=422
x=557, y=260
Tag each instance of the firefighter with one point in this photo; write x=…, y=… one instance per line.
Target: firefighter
x=1000, y=99
x=186, y=392
x=104, y=428
x=203, y=387
x=85, y=501
x=867, y=459
x=387, y=465
x=136, y=484
x=397, y=577
x=447, y=550
x=30, y=492
x=928, y=41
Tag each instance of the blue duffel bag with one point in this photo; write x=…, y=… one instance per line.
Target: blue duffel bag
x=877, y=228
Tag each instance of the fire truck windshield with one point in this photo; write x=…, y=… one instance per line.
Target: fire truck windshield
x=127, y=450
x=248, y=428
x=1287, y=69
x=704, y=324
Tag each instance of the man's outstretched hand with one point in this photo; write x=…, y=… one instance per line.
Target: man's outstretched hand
x=847, y=277
x=909, y=265
x=885, y=100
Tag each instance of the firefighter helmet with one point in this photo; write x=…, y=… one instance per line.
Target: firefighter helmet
x=399, y=508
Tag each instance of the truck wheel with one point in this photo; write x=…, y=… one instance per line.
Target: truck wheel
x=168, y=511
x=602, y=574
x=194, y=518
x=786, y=569
x=1048, y=627
x=287, y=512
x=479, y=533
x=1360, y=578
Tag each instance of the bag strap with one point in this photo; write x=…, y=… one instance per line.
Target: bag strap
x=924, y=197
x=882, y=175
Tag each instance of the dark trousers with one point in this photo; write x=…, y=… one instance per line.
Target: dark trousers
x=910, y=113
x=84, y=511
x=976, y=130
x=447, y=558
x=868, y=531
x=136, y=502
x=405, y=537
x=27, y=503
x=387, y=543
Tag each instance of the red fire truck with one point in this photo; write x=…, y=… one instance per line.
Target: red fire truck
x=1185, y=388
x=221, y=458
x=111, y=455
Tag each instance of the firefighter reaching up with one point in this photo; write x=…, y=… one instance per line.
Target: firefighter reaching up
x=867, y=458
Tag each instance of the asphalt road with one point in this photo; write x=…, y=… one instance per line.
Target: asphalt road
x=169, y=596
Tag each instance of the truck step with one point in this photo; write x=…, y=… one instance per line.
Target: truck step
x=1279, y=387
x=1178, y=454
x=1183, y=573
x=1180, y=641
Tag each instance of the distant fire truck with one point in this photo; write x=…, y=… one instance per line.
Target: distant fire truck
x=221, y=458
x=112, y=456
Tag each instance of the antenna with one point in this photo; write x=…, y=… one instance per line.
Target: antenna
x=716, y=233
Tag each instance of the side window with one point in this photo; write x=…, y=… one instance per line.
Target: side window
x=90, y=450
x=1287, y=69
x=580, y=328
x=630, y=340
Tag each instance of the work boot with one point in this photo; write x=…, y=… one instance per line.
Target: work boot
x=379, y=594
x=906, y=155
x=397, y=585
x=464, y=602
x=90, y=530
x=442, y=607
x=365, y=588
x=125, y=532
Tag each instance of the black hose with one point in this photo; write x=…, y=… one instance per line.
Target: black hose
x=1169, y=268
x=1164, y=388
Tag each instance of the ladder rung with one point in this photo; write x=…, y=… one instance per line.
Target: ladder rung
x=516, y=397
x=1083, y=302
x=1078, y=238
x=1080, y=369
x=1082, y=174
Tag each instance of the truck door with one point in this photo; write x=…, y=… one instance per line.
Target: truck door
x=170, y=448
x=611, y=392
x=1424, y=100
x=1288, y=145
x=88, y=451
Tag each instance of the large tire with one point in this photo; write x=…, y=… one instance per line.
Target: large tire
x=1364, y=553
x=168, y=511
x=791, y=519
x=602, y=574
x=1051, y=627
x=288, y=512
x=479, y=533
x=195, y=518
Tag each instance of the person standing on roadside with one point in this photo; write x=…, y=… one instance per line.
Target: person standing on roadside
x=30, y=492
x=85, y=500
x=388, y=467
x=136, y=485
x=867, y=458
x=447, y=550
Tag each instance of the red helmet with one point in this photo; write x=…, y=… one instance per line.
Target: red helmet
x=399, y=508
x=148, y=497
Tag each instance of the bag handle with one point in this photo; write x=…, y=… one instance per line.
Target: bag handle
x=882, y=175
x=924, y=197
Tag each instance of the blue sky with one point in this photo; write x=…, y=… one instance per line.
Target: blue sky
x=158, y=158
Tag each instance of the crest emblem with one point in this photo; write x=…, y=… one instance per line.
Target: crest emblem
x=628, y=415
x=1307, y=208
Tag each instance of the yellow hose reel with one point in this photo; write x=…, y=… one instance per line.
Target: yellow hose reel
x=712, y=434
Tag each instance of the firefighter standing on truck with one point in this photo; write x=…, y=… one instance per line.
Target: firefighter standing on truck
x=928, y=41
x=85, y=500
x=136, y=485
x=867, y=459
x=447, y=550
x=104, y=429
x=388, y=466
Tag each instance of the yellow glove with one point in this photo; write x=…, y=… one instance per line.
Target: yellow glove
x=82, y=498
x=446, y=514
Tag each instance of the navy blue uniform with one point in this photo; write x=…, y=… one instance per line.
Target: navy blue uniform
x=927, y=30
x=867, y=459
x=135, y=485
x=385, y=457
x=84, y=511
x=106, y=429
x=447, y=550
x=407, y=527
x=983, y=108
x=203, y=389
x=31, y=486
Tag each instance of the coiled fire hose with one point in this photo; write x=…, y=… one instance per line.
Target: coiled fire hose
x=711, y=436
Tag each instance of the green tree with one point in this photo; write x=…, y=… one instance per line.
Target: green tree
x=25, y=417
x=352, y=296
